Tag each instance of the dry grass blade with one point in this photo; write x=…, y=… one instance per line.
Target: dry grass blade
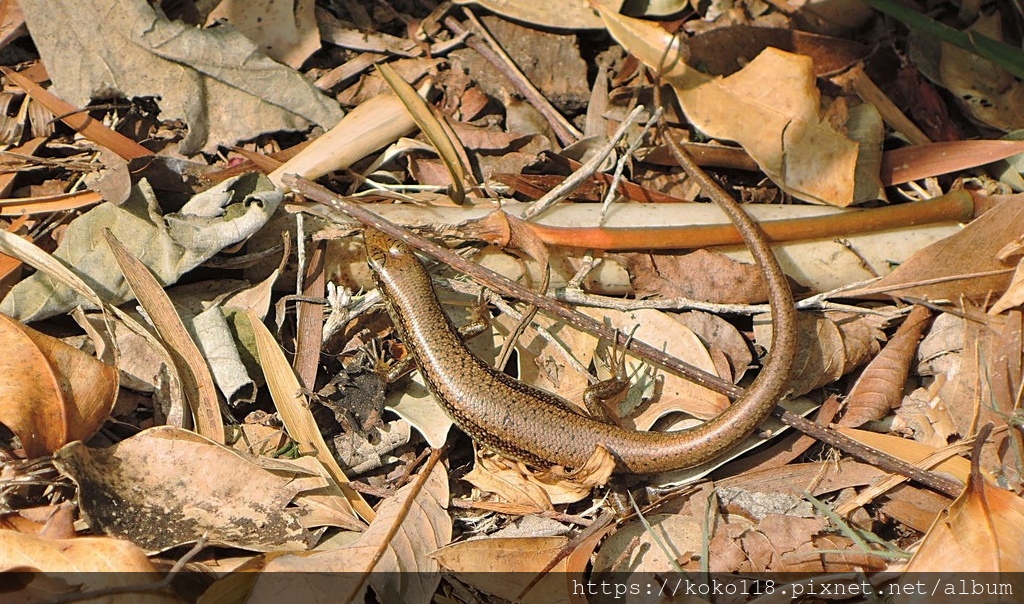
x=200, y=390
x=50, y=203
x=93, y=130
x=432, y=128
x=291, y=405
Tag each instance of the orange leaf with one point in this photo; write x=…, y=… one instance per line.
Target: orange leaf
x=50, y=393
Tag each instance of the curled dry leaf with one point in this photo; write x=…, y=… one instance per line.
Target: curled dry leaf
x=50, y=393
x=375, y=123
x=830, y=347
x=540, y=490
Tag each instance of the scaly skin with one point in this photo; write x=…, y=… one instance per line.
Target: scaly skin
x=539, y=428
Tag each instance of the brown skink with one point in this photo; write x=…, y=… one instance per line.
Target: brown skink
x=542, y=429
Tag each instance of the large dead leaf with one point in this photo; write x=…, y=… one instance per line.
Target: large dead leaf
x=776, y=95
x=206, y=77
x=976, y=541
x=181, y=486
x=168, y=244
x=50, y=393
x=981, y=532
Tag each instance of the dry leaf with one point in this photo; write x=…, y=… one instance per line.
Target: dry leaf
x=879, y=389
x=406, y=532
x=921, y=161
x=975, y=543
x=503, y=566
x=910, y=451
x=701, y=275
x=375, y=123
x=169, y=244
x=955, y=260
x=207, y=77
x=82, y=564
x=285, y=31
x=1014, y=294
x=291, y=405
x=776, y=93
x=181, y=486
x=673, y=392
x=50, y=393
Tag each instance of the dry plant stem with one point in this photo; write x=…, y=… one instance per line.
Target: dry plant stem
x=396, y=524
x=578, y=297
x=483, y=43
x=309, y=320
x=889, y=289
x=466, y=504
x=957, y=206
x=620, y=166
x=507, y=287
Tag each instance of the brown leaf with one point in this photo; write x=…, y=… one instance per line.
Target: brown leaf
x=700, y=275
x=405, y=531
x=499, y=566
x=981, y=532
x=97, y=563
x=181, y=486
x=879, y=389
x=961, y=263
x=200, y=390
x=294, y=411
x=50, y=393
